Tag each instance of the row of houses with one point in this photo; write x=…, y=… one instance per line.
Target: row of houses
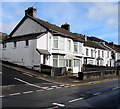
x=34, y=42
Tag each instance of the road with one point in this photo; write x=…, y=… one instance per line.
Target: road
x=19, y=88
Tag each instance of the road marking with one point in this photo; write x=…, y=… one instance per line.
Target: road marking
x=53, y=86
x=67, y=86
x=105, y=80
x=27, y=74
x=28, y=83
x=115, y=88
x=61, y=105
x=14, y=94
x=44, y=87
x=58, y=87
x=72, y=85
x=2, y=96
x=97, y=93
x=27, y=92
x=39, y=90
x=61, y=85
x=49, y=88
x=76, y=100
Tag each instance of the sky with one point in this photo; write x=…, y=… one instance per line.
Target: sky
x=98, y=19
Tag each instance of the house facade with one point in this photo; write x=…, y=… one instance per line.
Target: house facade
x=34, y=42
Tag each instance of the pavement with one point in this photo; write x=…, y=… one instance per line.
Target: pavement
x=66, y=80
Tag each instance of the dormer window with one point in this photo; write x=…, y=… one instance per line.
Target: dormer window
x=27, y=42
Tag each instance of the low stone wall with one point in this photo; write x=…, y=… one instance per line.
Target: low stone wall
x=101, y=73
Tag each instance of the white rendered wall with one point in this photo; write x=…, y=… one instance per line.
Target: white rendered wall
x=22, y=55
x=29, y=27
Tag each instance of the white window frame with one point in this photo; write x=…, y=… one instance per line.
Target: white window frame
x=69, y=45
x=76, y=47
x=59, y=58
x=59, y=42
x=87, y=52
x=92, y=52
x=68, y=62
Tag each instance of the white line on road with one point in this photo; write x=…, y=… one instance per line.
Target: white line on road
x=2, y=96
x=72, y=85
x=39, y=90
x=61, y=85
x=44, y=87
x=27, y=92
x=75, y=100
x=67, y=86
x=28, y=83
x=97, y=93
x=49, y=88
x=61, y=105
x=115, y=88
x=53, y=86
x=14, y=94
x=58, y=87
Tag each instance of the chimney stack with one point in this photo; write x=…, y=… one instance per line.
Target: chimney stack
x=31, y=11
x=66, y=26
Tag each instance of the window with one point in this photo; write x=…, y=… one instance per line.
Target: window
x=55, y=60
x=58, y=59
x=68, y=45
x=108, y=54
x=98, y=53
x=4, y=45
x=76, y=63
x=68, y=63
x=80, y=47
x=86, y=52
x=75, y=46
x=27, y=43
x=61, y=43
x=61, y=61
x=91, y=53
x=102, y=53
x=15, y=44
x=58, y=42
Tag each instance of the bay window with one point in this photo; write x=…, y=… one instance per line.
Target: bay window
x=58, y=42
x=61, y=61
x=58, y=61
x=55, y=42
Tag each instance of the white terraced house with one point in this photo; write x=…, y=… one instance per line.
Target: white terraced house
x=34, y=42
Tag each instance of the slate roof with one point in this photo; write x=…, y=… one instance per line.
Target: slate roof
x=50, y=27
x=114, y=47
x=89, y=43
x=42, y=51
x=60, y=30
x=23, y=37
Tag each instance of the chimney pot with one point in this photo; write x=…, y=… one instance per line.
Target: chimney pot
x=66, y=26
x=31, y=11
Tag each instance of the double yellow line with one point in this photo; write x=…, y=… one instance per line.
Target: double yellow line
x=88, y=83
